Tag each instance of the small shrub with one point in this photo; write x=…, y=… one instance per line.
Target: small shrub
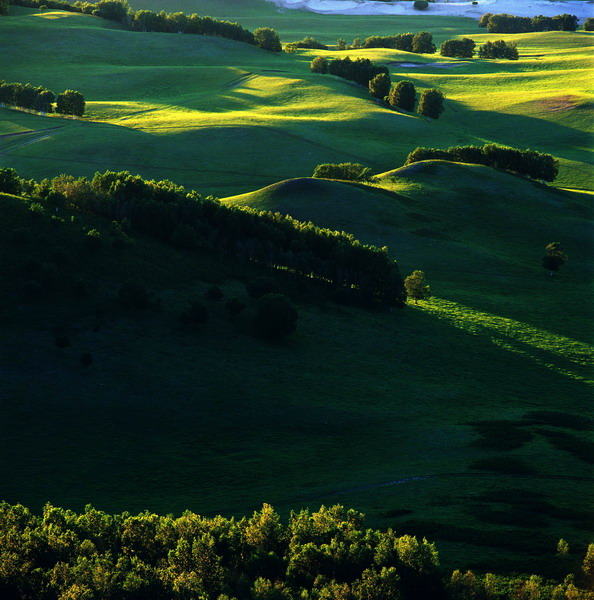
x=234, y=306
x=214, y=293
x=421, y=4
x=62, y=341
x=256, y=288
x=275, y=316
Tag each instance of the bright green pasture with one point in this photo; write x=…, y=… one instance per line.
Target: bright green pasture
x=227, y=118
x=214, y=420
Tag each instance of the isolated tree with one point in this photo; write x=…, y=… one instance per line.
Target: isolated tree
x=70, y=102
x=319, y=65
x=379, y=86
x=420, y=4
x=422, y=43
x=431, y=103
x=268, y=39
x=341, y=44
x=275, y=316
x=403, y=95
x=416, y=287
x=10, y=182
x=555, y=257
x=589, y=24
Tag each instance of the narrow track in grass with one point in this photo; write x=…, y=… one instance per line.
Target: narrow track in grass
x=412, y=479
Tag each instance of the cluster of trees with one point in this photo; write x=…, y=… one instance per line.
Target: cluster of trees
x=463, y=48
x=321, y=555
x=499, y=49
x=360, y=70
x=403, y=96
x=307, y=42
x=420, y=43
x=345, y=171
x=524, y=162
x=504, y=23
x=147, y=20
x=69, y=102
x=166, y=211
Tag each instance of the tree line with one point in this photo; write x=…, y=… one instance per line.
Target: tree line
x=464, y=48
x=163, y=22
x=504, y=23
x=420, y=43
x=40, y=99
x=184, y=219
x=530, y=163
x=327, y=554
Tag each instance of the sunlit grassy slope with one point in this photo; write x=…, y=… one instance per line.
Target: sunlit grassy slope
x=227, y=118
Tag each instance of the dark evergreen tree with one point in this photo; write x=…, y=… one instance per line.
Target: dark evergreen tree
x=268, y=39
x=403, y=95
x=275, y=316
x=70, y=102
x=554, y=258
x=431, y=103
x=379, y=86
x=422, y=43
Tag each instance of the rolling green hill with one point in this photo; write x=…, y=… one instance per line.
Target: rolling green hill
x=454, y=418
x=226, y=118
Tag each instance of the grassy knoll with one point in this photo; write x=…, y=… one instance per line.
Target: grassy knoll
x=179, y=106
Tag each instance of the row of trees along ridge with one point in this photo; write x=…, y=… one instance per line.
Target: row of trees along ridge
x=528, y=162
x=146, y=20
x=69, y=102
x=166, y=211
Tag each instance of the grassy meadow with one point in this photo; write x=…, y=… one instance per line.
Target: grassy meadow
x=467, y=418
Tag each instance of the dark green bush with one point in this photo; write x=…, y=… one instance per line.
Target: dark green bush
x=275, y=316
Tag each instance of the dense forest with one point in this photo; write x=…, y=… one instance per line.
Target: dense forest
x=323, y=555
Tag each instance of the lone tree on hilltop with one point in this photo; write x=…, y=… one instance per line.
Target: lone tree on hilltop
x=416, y=287
x=431, y=103
x=555, y=257
x=268, y=39
x=379, y=86
x=403, y=95
x=275, y=316
x=70, y=102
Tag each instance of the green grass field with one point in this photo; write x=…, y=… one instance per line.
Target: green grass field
x=217, y=421
x=179, y=107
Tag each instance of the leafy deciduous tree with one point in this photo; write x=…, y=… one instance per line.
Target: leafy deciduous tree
x=403, y=95
x=416, y=287
x=431, y=103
